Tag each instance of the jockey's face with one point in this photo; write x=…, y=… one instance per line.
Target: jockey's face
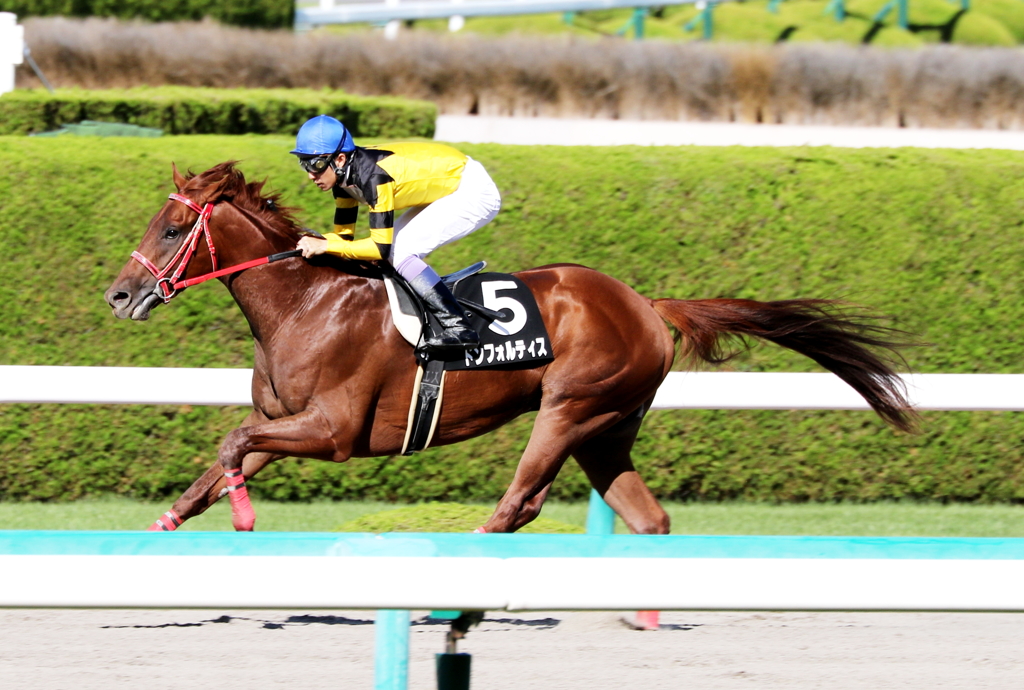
x=328, y=178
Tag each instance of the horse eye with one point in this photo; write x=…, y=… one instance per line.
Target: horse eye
x=171, y=233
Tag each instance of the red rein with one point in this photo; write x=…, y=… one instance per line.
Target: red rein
x=168, y=287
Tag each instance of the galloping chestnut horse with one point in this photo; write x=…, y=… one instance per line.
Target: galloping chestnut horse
x=333, y=378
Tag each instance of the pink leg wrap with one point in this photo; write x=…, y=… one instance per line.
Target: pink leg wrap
x=243, y=517
x=479, y=530
x=168, y=522
x=647, y=620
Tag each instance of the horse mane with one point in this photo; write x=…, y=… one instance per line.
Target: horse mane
x=248, y=196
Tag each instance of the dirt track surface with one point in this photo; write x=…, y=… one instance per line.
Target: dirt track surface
x=86, y=649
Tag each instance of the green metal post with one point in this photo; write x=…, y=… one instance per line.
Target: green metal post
x=884, y=12
x=708, y=21
x=600, y=516
x=391, y=667
x=445, y=615
x=902, y=17
x=840, y=10
x=638, y=22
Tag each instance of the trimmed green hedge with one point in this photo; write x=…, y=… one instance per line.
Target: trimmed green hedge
x=255, y=13
x=935, y=238
x=186, y=110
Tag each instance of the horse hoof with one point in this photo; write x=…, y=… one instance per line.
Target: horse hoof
x=243, y=523
x=243, y=517
x=168, y=522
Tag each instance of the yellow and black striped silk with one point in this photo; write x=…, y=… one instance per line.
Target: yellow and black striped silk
x=390, y=177
x=345, y=213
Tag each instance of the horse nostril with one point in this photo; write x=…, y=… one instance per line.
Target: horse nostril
x=118, y=299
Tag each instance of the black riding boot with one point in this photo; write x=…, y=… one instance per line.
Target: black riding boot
x=457, y=333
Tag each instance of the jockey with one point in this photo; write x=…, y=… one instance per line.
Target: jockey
x=448, y=195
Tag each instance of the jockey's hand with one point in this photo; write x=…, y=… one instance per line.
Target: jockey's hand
x=311, y=246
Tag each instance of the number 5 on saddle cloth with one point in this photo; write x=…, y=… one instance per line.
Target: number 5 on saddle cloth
x=499, y=306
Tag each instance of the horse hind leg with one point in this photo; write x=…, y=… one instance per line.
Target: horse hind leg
x=606, y=460
x=572, y=428
x=531, y=508
x=557, y=431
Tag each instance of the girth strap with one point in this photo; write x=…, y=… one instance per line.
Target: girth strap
x=425, y=407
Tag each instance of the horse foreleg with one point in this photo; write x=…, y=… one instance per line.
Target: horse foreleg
x=306, y=434
x=207, y=490
x=211, y=486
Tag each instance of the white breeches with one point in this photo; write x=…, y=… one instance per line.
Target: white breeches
x=422, y=229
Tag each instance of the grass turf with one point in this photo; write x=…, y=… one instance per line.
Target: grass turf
x=888, y=519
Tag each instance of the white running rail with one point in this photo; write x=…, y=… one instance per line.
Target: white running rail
x=681, y=390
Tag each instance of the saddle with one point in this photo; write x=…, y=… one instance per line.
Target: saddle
x=512, y=336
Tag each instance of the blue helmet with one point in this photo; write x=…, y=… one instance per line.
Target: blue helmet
x=323, y=135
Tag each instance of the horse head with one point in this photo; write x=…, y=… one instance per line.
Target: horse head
x=207, y=223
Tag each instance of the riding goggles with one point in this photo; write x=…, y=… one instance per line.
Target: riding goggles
x=315, y=164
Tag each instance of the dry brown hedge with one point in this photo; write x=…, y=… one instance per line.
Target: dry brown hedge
x=940, y=86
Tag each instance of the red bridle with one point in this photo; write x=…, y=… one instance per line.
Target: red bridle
x=168, y=287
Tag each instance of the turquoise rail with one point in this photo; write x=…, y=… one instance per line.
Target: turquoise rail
x=61, y=542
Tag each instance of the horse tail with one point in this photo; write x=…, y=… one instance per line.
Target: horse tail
x=847, y=342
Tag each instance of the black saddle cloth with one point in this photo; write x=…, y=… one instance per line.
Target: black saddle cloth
x=499, y=307
x=518, y=339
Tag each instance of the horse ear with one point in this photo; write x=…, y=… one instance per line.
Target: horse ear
x=179, y=180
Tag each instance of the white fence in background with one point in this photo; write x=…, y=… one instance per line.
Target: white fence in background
x=681, y=390
x=558, y=131
x=12, y=49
